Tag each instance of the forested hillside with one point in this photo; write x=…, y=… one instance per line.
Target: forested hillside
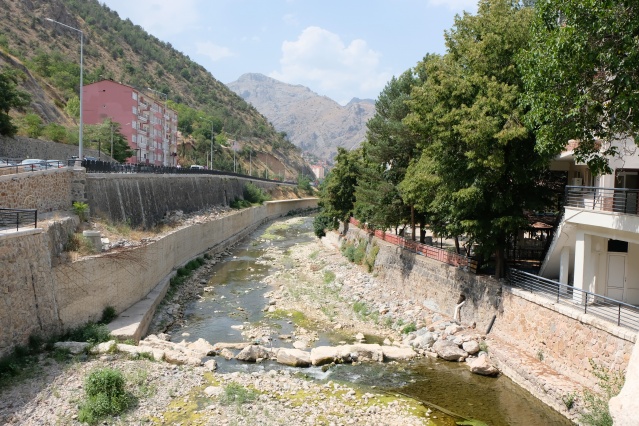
x=44, y=58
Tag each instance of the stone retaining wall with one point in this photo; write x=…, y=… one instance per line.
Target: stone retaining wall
x=39, y=298
x=562, y=336
x=144, y=199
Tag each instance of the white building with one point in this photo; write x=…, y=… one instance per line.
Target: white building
x=596, y=246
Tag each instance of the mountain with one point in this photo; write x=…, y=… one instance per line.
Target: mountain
x=316, y=124
x=45, y=57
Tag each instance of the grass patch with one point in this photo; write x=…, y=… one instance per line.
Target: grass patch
x=329, y=277
x=237, y=394
x=409, y=328
x=313, y=255
x=105, y=395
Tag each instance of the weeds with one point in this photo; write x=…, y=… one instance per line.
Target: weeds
x=610, y=383
x=329, y=277
x=108, y=315
x=569, y=400
x=105, y=396
x=409, y=328
x=82, y=210
x=237, y=394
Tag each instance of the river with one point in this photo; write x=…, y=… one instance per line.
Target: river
x=237, y=303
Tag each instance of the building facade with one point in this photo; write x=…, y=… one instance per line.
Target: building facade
x=147, y=123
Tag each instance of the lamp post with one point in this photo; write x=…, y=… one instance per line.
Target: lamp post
x=80, y=157
x=202, y=118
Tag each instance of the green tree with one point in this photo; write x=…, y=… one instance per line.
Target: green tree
x=581, y=76
x=11, y=97
x=55, y=132
x=73, y=106
x=337, y=193
x=32, y=125
x=386, y=153
x=478, y=164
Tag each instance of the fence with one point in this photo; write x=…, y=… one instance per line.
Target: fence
x=431, y=252
x=16, y=218
x=618, y=200
x=97, y=166
x=611, y=310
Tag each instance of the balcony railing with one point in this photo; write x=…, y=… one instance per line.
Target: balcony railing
x=615, y=200
x=17, y=218
x=614, y=311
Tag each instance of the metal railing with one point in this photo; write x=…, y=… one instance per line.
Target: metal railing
x=431, y=252
x=17, y=218
x=97, y=166
x=617, y=200
x=619, y=313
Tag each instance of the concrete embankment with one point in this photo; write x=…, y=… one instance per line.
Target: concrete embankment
x=42, y=299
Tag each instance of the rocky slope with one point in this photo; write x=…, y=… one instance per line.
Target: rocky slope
x=312, y=122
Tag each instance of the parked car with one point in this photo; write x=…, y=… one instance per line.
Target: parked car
x=55, y=164
x=33, y=164
x=196, y=167
x=5, y=163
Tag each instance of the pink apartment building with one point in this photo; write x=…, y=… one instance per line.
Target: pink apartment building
x=147, y=123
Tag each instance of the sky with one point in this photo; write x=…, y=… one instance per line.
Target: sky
x=340, y=49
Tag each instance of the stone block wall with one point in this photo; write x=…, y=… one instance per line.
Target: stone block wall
x=564, y=336
x=143, y=200
x=46, y=190
x=27, y=299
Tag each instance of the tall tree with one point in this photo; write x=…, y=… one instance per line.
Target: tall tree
x=386, y=153
x=11, y=97
x=582, y=76
x=337, y=193
x=478, y=168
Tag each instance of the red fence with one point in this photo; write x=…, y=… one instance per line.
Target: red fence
x=431, y=252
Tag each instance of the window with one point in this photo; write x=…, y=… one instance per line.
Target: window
x=135, y=110
x=133, y=138
x=617, y=246
x=134, y=95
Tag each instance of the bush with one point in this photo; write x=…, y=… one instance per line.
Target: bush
x=610, y=382
x=82, y=210
x=108, y=315
x=91, y=332
x=105, y=396
x=238, y=394
x=255, y=195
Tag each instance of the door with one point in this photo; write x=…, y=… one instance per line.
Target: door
x=616, y=276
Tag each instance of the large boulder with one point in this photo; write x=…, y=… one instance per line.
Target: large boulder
x=472, y=347
x=294, y=357
x=394, y=353
x=202, y=346
x=424, y=340
x=449, y=351
x=73, y=347
x=253, y=353
x=321, y=355
x=365, y=352
x=483, y=366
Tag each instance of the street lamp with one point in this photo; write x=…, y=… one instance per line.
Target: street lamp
x=202, y=118
x=80, y=157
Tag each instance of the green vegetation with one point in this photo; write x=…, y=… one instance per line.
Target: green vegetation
x=252, y=195
x=108, y=315
x=11, y=98
x=105, y=396
x=329, y=277
x=237, y=394
x=409, y=328
x=610, y=383
x=82, y=210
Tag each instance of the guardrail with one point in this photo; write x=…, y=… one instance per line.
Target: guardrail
x=431, y=252
x=617, y=312
x=97, y=166
x=17, y=218
x=617, y=200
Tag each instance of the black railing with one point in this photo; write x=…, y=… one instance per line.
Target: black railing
x=97, y=166
x=619, y=313
x=17, y=218
x=617, y=200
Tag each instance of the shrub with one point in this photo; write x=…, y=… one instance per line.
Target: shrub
x=610, y=382
x=105, y=396
x=108, y=315
x=409, y=328
x=238, y=394
x=82, y=210
x=91, y=332
x=372, y=256
x=255, y=195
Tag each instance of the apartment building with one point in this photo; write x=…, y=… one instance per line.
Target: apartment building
x=145, y=120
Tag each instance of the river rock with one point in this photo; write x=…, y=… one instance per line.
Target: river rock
x=300, y=344
x=365, y=352
x=449, y=351
x=202, y=346
x=252, y=353
x=425, y=340
x=294, y=357
x=483, y=366
x=157, y=354
x=221, y=345
x=321, y=355
x=73, y=347
x=102, y=348
x=471, y=346
x=211, y=365
x=394, y=353
x=178, y=357
x=226, y=354
x=453, y=328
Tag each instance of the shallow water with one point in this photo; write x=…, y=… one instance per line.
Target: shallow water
x=239, y=298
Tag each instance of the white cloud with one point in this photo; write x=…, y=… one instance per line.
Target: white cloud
x=319, y=58
x=159, y=17
x=212, y=50
x=456, y=5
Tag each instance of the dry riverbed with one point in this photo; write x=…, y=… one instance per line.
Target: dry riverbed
x=317, y=287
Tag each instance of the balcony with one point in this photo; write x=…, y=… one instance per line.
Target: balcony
x=611, y=200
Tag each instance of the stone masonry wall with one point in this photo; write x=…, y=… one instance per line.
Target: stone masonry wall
x=143, y=200
x=27, y=303
x=46, y=190
x=562, y=336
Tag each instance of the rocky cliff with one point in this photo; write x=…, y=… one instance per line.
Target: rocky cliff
x=314, y=123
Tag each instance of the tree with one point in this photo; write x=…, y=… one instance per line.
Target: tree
x=478, y=168
x=337, y=193
x=581, y=75
x=10, y=98
x=386, y=153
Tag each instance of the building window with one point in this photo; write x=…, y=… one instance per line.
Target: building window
x=134, y=95
x=133, y=138
x=135, y=110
